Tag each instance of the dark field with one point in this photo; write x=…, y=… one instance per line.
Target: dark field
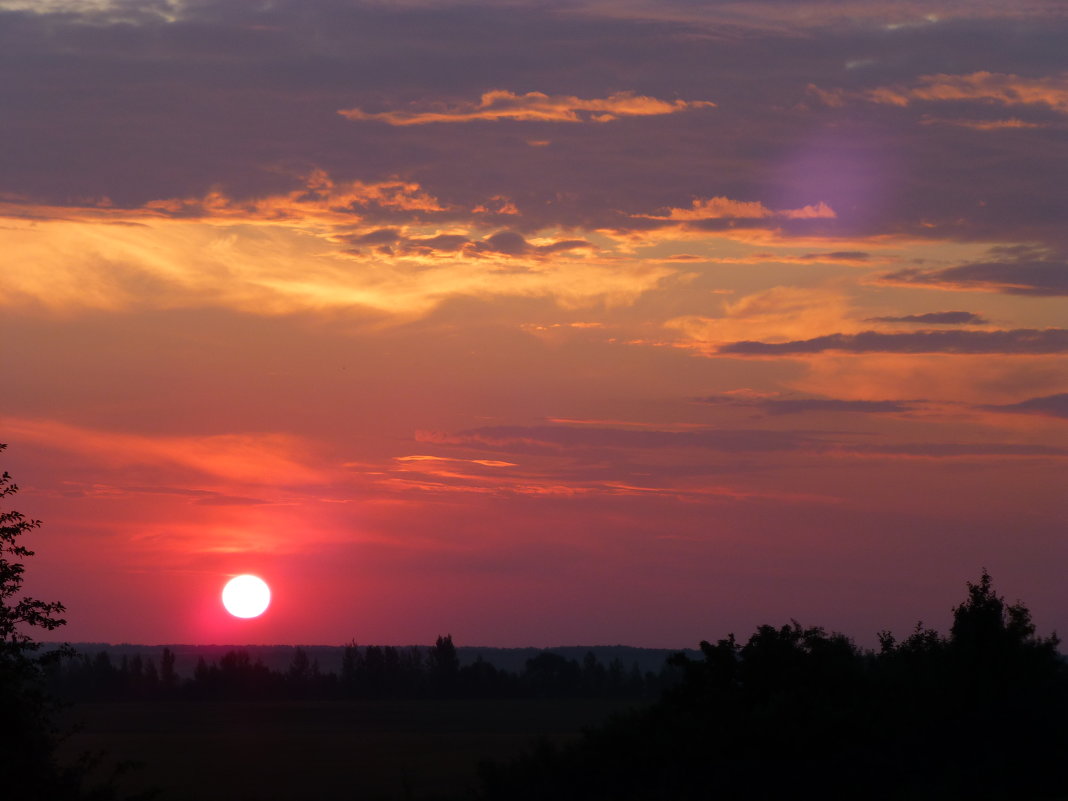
x=304, y=751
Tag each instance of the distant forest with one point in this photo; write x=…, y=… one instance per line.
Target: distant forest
x=370, y=671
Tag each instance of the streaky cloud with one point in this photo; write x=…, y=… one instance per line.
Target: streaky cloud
x=500, y=104
x=566, y=440
x=779, y=406
x=1041, y=277
x=933, y=318
x=1000, y=88
x=725, y=208
x=1048, y=406
x=1017, y=341
x=558, y=437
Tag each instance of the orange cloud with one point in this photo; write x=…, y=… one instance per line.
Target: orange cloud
x=321, y=198
x=500, y=104
x=267, y=459
x=776, y=314
x=428, y=458
x=717, y=208
x=298, y=251
x=1006, y=89
x=498, y=204
x=982, y=125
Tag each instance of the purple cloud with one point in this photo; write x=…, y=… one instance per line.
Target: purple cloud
x=554, y=437
x=1042, y=278
x=1018, y=341
x=803, y=405
x=934, y=318
x=1049, y=405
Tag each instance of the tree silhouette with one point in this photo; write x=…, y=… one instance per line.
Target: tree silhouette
x=798, y=713
x=444, y=666
x=27, y=733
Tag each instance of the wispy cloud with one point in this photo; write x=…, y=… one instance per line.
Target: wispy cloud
x=1045, y=277
x=1048, y=406
x=724, y=208
x=1000, y=88
x=565, y=437
x=933, y=318
x=501, y=104
x=1018, y=341
x=777, y=406
x=259, y=459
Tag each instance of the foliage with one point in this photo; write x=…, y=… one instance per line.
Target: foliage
x=796, y=712
x=366, y=672
x=28, y=736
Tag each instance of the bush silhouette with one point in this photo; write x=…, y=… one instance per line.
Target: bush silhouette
x=797, y=713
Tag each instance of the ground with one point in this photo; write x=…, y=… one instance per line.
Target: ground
x=302, y=751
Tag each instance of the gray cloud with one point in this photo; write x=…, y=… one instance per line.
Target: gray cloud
x=1049, y=405
x=574, y=440
x=803, y=405
x=516, y=438
x=838, y=255
x=1018, y=341
x=1025, y=277
x=151, y=100
x=963, y=449
x=933, y=318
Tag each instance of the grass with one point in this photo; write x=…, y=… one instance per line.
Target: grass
x=305, y=751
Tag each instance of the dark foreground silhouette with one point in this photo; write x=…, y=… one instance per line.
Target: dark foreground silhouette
x=799, y=713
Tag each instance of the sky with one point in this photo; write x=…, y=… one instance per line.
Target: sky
x=535, y=323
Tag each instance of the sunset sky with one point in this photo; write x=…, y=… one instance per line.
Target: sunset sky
x=537, y=323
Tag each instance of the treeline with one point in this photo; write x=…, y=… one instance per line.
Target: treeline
x=795, y=712
x=366, y=672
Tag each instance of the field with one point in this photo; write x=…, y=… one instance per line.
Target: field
x=305, y=751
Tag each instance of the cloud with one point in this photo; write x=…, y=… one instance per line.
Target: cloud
x=724, y=208
x=321, y=198
x=260, y=458
x=569, y=441
x=1000, y=88
x=1039, y=277
x=723, y=20
x=777, y=313
x=933, y=318
x=318, y=247
x=848, y=256
x=428, y=458
x=587, y=437
x=982, y=125
x=1018, y=341
x=1049, y=406
x=393, y=242
x=961, y=450
x=777, y=406
x=500, y=104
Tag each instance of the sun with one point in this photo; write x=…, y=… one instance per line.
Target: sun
x=246, y=596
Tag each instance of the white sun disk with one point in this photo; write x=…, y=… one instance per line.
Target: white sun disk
x=246, y=596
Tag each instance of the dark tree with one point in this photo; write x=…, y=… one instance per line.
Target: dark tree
x=168, y=677
x=444, y=666
x=798, y=713
x=27, y=734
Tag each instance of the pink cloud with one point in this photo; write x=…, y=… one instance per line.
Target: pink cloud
x=264, y=458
